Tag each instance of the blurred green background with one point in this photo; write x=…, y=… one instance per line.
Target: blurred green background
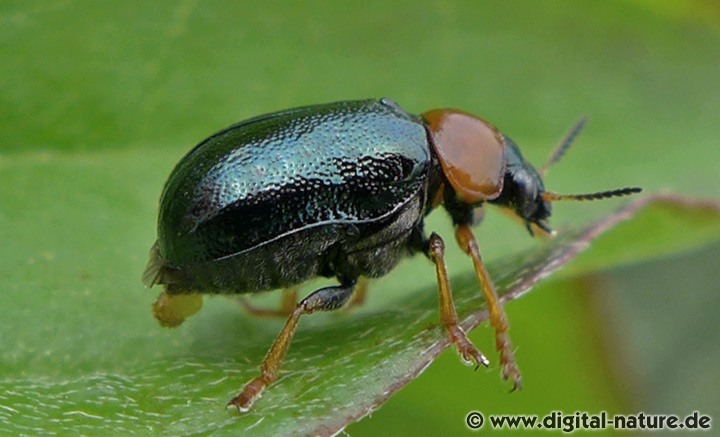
x=98, y=101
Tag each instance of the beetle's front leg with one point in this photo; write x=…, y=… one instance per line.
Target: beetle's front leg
x=436, y=252
x=469, y=245
x=324, y=299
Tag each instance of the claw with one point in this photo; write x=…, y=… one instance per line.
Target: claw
x=251, y=392
x=467, y=350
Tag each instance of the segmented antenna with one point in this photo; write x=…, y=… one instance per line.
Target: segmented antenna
x=564, y=145
x=552, y=197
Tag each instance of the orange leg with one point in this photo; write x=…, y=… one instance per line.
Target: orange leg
x=448, y=315
x=324, y=299
x=170, y=310
x=467, y=243
x=287, y=305
x=359, y=296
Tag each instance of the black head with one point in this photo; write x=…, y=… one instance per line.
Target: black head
x=523, y=190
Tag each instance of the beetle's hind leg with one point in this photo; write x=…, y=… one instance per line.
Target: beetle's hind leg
x=288, y=301
x=468, y=351
x=469, y=245
x=324, y=299
x=171, y=310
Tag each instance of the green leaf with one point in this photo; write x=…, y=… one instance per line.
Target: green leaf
x=100, y=99
x=80, y=353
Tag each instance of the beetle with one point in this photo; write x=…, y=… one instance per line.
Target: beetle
x=339, y=190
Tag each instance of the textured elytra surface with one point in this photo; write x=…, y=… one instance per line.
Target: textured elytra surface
x=345, y=162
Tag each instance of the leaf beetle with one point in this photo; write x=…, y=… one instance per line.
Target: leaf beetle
x=339, y=190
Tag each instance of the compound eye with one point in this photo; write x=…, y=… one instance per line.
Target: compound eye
x=471, y=151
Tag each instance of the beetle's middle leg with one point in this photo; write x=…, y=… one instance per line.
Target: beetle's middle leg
x=324, y=299
x=468, y=351
x=288, y=301
x=359, y=295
